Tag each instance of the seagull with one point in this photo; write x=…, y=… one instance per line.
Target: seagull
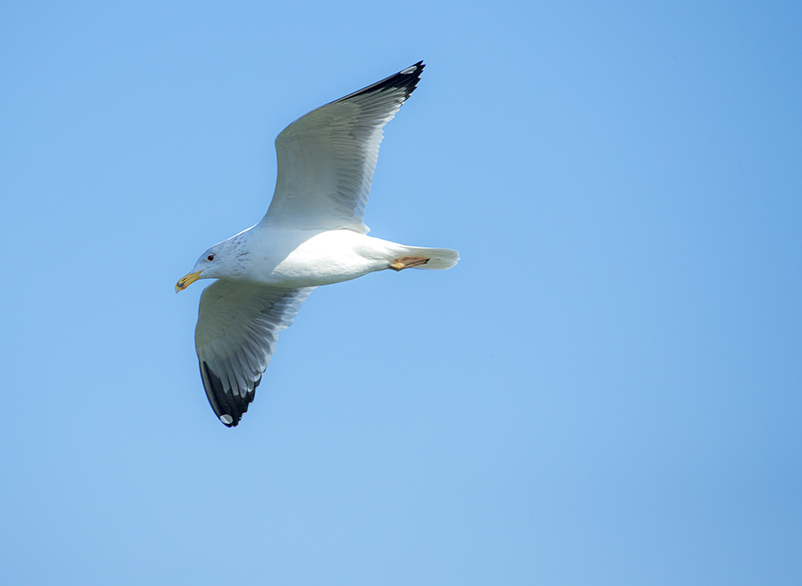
x=311, y=235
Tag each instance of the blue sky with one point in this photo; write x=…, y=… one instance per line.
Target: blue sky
x=606, y=390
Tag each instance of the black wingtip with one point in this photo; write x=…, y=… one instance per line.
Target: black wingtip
x=406, y=79
x=227, y=406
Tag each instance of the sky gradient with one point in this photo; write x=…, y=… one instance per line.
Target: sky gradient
x=606, y=390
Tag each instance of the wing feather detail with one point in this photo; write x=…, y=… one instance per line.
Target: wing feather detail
x=238, y=325
x=326, y=158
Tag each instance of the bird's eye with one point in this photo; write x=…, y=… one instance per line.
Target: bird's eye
x=210, y=257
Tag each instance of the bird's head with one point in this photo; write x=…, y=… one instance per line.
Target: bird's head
x=219, y=261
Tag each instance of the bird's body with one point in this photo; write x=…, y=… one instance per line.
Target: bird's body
x=310, y=258
x=312, y=235
x=313, y=258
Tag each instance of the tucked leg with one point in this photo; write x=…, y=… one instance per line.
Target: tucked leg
x=407, y=262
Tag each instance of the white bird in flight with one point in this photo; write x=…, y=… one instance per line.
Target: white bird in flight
x=311, y=235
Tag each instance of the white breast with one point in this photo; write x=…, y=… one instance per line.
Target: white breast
x=309, y=258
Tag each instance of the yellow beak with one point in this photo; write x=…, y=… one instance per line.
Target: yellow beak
x=185, y=282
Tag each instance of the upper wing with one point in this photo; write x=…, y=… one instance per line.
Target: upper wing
x=238, y=324
x=326, y=158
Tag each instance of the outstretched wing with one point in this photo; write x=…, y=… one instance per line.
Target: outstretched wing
x=326, y=158
x=238, y=324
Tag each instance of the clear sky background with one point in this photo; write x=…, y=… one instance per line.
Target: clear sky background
x=606, y=390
